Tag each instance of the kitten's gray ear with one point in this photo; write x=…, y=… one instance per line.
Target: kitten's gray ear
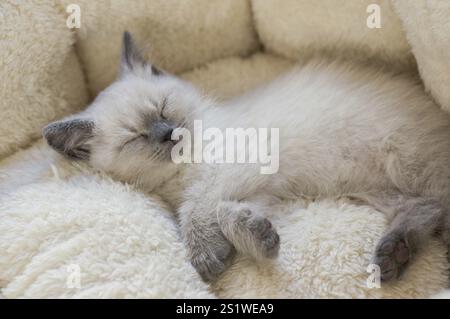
x=132, y=60
x=70, y=137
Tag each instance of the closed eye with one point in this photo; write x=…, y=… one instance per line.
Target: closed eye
x=134, y=138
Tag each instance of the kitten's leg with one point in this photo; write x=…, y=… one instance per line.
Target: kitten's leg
x=249, y=232
x=208, y=250
x=415, y=221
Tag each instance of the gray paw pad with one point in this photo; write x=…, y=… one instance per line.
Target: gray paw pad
x=392, y=256
x=266, y=236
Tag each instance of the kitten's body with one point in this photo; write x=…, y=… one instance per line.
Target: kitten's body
x=344, y=131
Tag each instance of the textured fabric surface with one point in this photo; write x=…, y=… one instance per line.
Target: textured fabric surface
x=84, y=236
x=427, y=25
x=443, y=295
x=301, y=28
x=325, y=252
x=41, y=75
x=232, y=76
x=185, y=33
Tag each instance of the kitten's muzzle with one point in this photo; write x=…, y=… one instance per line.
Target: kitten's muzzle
x=162, y=131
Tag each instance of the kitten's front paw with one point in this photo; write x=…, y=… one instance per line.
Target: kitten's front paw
x=392, y=256
x=211, y=261
x=266, y=237
x=250, y=233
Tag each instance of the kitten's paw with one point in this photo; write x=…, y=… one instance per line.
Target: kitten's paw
x=211, y=261
x=266, y=241
x=266, y=237
x=392, y=256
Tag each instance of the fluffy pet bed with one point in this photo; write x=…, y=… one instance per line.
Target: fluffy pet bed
x=67, y=231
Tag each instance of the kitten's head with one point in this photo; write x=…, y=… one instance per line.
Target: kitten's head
x=127, y=130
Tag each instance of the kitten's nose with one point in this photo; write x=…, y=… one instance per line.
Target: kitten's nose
x=168, y=136
x=162, y=131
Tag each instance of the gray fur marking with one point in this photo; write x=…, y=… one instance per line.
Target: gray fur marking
x=132, y=58
x=70, y=137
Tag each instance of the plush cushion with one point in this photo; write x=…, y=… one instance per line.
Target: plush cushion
x=326, y=248
x=184, y=34
x=300, y=28
x=85, y=236
x=229, y=77
x=427, y=25
x=41, y=78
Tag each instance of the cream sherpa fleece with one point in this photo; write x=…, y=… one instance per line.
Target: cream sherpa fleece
x=179, y=35
x=427, y=24
x=123, y=244
x=301, y=28
x=41, y=78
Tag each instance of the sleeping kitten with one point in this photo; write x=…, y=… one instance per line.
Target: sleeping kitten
x=344, y=131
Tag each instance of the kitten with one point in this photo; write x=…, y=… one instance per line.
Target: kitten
x=344, y=131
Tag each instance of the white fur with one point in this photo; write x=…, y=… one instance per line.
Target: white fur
x=338, y=121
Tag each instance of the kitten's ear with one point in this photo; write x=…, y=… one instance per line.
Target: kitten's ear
x=132, y=60
x=70, y=137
